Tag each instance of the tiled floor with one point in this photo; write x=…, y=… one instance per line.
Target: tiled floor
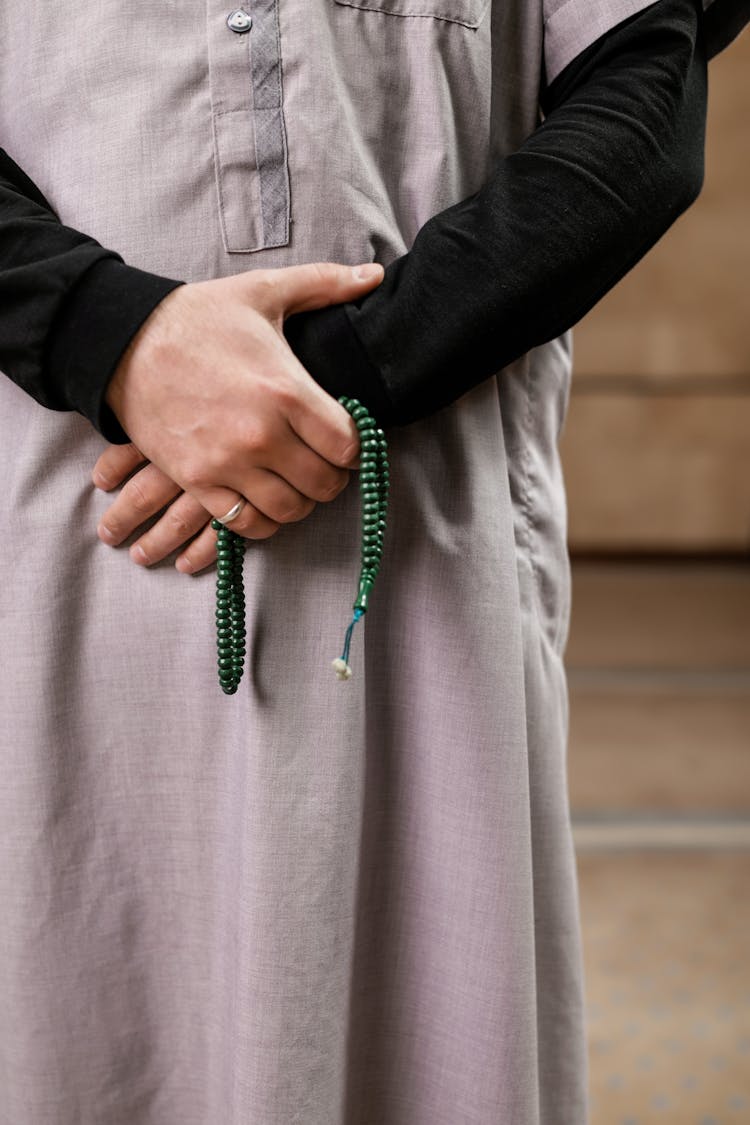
x=668, y=987
x=659, y=672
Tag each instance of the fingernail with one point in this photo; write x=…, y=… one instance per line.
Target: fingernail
x=105, y=534
x=184, y=565
x=138, y=555
x=102, y=481
x=366, y=271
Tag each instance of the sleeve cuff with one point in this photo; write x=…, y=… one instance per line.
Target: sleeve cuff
x=326, y=344
x=97, y=322
x=575, y=24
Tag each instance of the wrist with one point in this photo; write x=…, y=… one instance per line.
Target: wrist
x=101, y=317
x=135, y=357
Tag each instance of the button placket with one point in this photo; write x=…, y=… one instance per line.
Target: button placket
x=270, y=129
x=250, y=149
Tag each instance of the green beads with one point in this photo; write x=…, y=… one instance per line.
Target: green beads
x=230, y=550
x=373, y=487
x=230, y=607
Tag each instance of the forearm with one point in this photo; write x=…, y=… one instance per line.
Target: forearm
x=69, y=306
x=558, y=223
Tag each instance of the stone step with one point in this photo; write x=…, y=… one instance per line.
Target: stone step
x=654, y=468
x=640, y=746
x=659, y=675
x=660, y=616
x=631, y=832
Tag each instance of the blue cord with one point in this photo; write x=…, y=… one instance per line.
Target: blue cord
x=348, y=637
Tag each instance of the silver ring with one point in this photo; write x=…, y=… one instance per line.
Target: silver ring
x=232, y=513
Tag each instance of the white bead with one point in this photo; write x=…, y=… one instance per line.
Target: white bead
x=343, y=671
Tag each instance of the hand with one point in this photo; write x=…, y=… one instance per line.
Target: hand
x=210, y=392
x=146, y=493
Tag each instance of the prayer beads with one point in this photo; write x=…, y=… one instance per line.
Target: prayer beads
x=374, y=484
x=230, y=550
x=230, y=607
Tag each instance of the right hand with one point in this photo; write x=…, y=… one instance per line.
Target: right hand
x=211, y=393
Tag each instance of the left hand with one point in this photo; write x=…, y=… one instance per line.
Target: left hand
x=145, y=494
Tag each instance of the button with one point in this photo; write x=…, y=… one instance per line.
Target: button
x=239, y=21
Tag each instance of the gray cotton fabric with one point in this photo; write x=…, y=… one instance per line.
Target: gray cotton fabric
x=312, y=903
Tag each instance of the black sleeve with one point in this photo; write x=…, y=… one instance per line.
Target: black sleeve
x=724, y=20
x=69, y=307
x=618, y=157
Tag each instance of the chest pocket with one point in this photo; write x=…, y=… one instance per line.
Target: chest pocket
x=467, y=12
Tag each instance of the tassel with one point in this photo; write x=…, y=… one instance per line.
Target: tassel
x=341, y=663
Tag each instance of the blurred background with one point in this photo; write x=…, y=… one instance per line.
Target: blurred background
x=657, y=458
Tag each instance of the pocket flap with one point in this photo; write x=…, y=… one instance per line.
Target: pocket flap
x=466, y=12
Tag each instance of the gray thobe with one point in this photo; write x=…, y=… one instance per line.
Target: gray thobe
x=314, y=902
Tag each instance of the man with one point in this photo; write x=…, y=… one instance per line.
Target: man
x=312, y=902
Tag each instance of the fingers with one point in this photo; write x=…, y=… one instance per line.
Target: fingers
x=294, y=289
x=324, y=425
x=143, y=496
x=150, y=491
x=186, y=520
x=309, y=473
x=199, y=554
x=183, y=519
x=274, y=502
x=116, y=463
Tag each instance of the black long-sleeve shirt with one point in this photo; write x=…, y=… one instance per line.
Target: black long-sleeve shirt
x=617, y=158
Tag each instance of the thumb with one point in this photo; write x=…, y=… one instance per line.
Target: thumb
x=311, y=286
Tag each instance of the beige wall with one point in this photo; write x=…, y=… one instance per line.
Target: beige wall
x=657, y=444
